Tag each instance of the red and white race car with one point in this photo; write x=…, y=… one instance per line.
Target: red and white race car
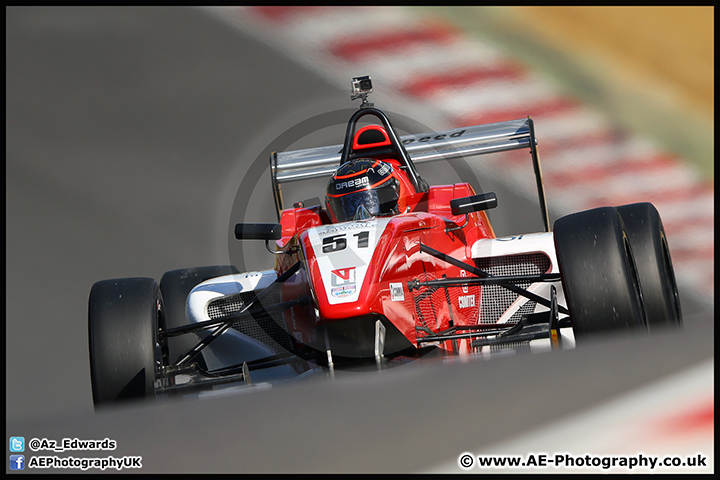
x=389, y=267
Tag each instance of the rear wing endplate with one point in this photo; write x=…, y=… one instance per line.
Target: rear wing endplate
x=424, y=147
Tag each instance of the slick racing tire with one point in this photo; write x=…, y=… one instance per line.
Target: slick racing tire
x=123, y=320
x=652, y=258
x=175, y=286
x=598, y=274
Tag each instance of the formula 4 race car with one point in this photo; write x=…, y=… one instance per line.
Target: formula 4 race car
x=388, y=268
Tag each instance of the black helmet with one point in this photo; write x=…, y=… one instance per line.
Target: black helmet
x=362, y=182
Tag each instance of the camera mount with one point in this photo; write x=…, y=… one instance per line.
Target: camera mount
x=361, y=87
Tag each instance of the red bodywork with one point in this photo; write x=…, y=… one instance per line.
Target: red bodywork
x=396, y=260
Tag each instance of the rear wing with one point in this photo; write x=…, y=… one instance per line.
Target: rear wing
x=424, y=147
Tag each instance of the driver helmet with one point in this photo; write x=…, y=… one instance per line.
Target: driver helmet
x=362, y=188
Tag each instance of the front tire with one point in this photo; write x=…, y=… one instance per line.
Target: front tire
x=652, y=258
x=125, y=352
x=598, y=274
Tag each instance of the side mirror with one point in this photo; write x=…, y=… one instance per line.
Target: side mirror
x=474, y=203
x=258, y=231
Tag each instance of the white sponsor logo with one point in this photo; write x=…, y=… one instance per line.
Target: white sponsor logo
x=396, y=292
x=466, y=301
x=385, y=168
x=357, y=182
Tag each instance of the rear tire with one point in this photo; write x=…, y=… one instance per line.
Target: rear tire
x=598, y=274
x=652, y=258
x=125, y=353
x=175, y=286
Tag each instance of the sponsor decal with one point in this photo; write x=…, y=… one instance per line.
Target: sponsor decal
x=466, y=301
x=356, y=182
x=396, y=292
x=383, y=170
x=344, y=291
x=343, y=276
x=430, y=137
x=343, y=227
x=343, y=282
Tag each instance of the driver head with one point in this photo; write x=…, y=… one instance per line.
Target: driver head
x=362, y=187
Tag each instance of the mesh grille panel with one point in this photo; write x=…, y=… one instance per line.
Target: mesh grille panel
x=427, y=301
x=496, y=299
x=263, y=326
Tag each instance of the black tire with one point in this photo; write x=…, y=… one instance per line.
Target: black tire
x=123, y=319
x=598, y=273
x=175, y=286
x=652, y=259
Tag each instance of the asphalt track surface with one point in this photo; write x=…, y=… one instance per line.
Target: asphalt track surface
x=128, y=133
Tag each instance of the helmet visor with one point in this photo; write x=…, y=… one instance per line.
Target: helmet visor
x=378, y=202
